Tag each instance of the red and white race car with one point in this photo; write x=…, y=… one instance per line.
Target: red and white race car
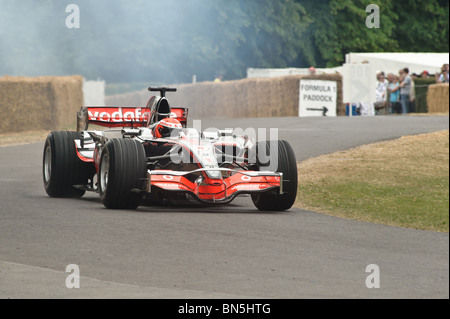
x=149, y=152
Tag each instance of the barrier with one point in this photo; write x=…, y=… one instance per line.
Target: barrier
x=39, y=103
x=271, y=97
x=438, y=98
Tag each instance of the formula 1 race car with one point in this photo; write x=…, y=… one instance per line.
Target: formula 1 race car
x=149, y=152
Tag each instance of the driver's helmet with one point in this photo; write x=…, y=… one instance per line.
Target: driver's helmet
x=167, y=127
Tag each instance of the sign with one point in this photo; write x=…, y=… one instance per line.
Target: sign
x=359, y=83
x=317, y=98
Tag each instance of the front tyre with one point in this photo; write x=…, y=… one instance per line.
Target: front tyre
x=61, y=167
x=122, y=172
x=277, y=156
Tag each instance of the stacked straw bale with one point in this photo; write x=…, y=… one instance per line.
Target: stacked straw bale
x=273, y=97
x=438, y=99
x=39, y=103
x=138, y=98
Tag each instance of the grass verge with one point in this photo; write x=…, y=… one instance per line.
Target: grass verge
x=404, y=182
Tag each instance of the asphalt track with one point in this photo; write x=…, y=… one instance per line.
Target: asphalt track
x=229, y=251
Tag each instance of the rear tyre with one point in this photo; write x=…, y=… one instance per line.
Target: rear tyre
x=122, y=172
x=61, y=167
x=280, y=158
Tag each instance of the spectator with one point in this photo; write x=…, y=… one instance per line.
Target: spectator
x=218, y=78
x=394, y=94
x=405, y=90
x=425, y=75
x=412, y=94
x=381, y=93
x=312, y=70
x=443, y=77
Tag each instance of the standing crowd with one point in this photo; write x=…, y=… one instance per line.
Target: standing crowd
x=395, y=93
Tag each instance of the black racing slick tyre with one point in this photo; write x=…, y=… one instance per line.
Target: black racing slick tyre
x=277, y=156
x=122, y=173
x=62, y=169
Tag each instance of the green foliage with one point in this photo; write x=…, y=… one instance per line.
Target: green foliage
x=421, y=89
x=272, y=37
x=338, y=27
x=422, y=26
x=171, y=40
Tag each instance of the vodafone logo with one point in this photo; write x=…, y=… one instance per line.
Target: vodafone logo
x=115, y=114
x=170, y=186
x=168, y=177
x=245, y=178
x=249, y=187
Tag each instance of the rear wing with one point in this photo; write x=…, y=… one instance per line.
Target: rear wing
x=123, y=116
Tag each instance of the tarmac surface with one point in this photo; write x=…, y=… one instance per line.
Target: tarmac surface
x=231, y=251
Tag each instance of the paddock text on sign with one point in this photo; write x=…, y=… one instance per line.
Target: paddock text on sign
x=317, y=98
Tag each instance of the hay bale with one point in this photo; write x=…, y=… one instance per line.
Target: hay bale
x=248, y=98
x=268, y=97
x=438, y=98
x=138, y=98
x=227, y=101
x=271, y=105
x=261, y=107
x=68, y=98
x=236, y=100
x=184, y=97
x=203, y=98
x=289, y=96
x=47, y=103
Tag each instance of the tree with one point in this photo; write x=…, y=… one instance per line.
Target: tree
x=339, y=27
x=273, y=34
x=422, y=25
x=171, y=40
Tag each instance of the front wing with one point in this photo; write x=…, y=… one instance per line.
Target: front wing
x=219, y=191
